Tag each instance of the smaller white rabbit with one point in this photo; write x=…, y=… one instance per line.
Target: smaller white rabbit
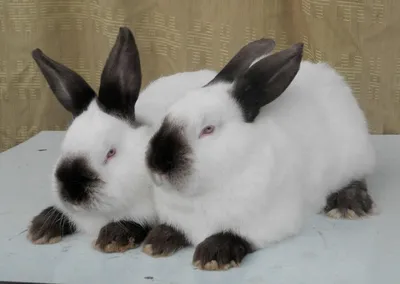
x=240, y=162
x=100, y=183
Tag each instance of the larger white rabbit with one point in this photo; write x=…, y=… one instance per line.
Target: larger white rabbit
x=100, y=182
x=240, y=162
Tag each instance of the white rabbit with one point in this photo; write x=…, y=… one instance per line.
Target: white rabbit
x=100, y=183
x=240, y=162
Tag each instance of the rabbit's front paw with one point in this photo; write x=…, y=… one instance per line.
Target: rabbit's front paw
x=351, y=202
x=120, y=236
x=49, y=227
x=164, y=241
x=221, y=251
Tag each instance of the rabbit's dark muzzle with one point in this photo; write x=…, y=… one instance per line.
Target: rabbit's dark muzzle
x=76, y=180
x=168, y=155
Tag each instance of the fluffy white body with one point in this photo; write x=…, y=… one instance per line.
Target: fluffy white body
x=127, y=192
x=264, y=178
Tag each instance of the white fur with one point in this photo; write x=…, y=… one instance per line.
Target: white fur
x=262, y=179
x=127, y=191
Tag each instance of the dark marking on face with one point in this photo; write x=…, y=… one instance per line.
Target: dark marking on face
x=221, y=251
x=164, y=240
x=76, y=180
x=352, y=197
x=49, y=225
x=169, y=152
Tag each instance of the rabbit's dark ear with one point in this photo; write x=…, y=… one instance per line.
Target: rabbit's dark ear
x=70, y=89
x=122, y=77
x=243, y=59
x=266, y=80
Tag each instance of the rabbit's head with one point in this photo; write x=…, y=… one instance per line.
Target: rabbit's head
x=97, y=164
x=206, y=136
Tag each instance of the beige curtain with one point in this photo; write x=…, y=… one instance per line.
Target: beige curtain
x=360, y=38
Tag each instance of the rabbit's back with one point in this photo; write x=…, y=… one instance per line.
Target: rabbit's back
x=325, y=129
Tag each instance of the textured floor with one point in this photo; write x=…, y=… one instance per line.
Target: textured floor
x=327, y=251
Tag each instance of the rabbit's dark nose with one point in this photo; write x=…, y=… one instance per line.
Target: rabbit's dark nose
x=163, y=152
x=76, y=180
x=168, y=151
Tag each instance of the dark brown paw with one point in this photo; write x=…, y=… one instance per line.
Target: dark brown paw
x=49, y=227
x=164, y=241
x=221, y=251
x=351, y=202
x=120, y=236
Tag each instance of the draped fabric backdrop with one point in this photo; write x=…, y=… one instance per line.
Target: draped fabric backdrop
x=360, y=38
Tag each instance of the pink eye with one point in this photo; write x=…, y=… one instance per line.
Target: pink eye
x=207, y=130
x=111, y=153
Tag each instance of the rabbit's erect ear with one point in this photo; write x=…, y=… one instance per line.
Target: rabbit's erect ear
x=122, y=77
x=243, y=59
x=266, y=80
x=70, y=89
